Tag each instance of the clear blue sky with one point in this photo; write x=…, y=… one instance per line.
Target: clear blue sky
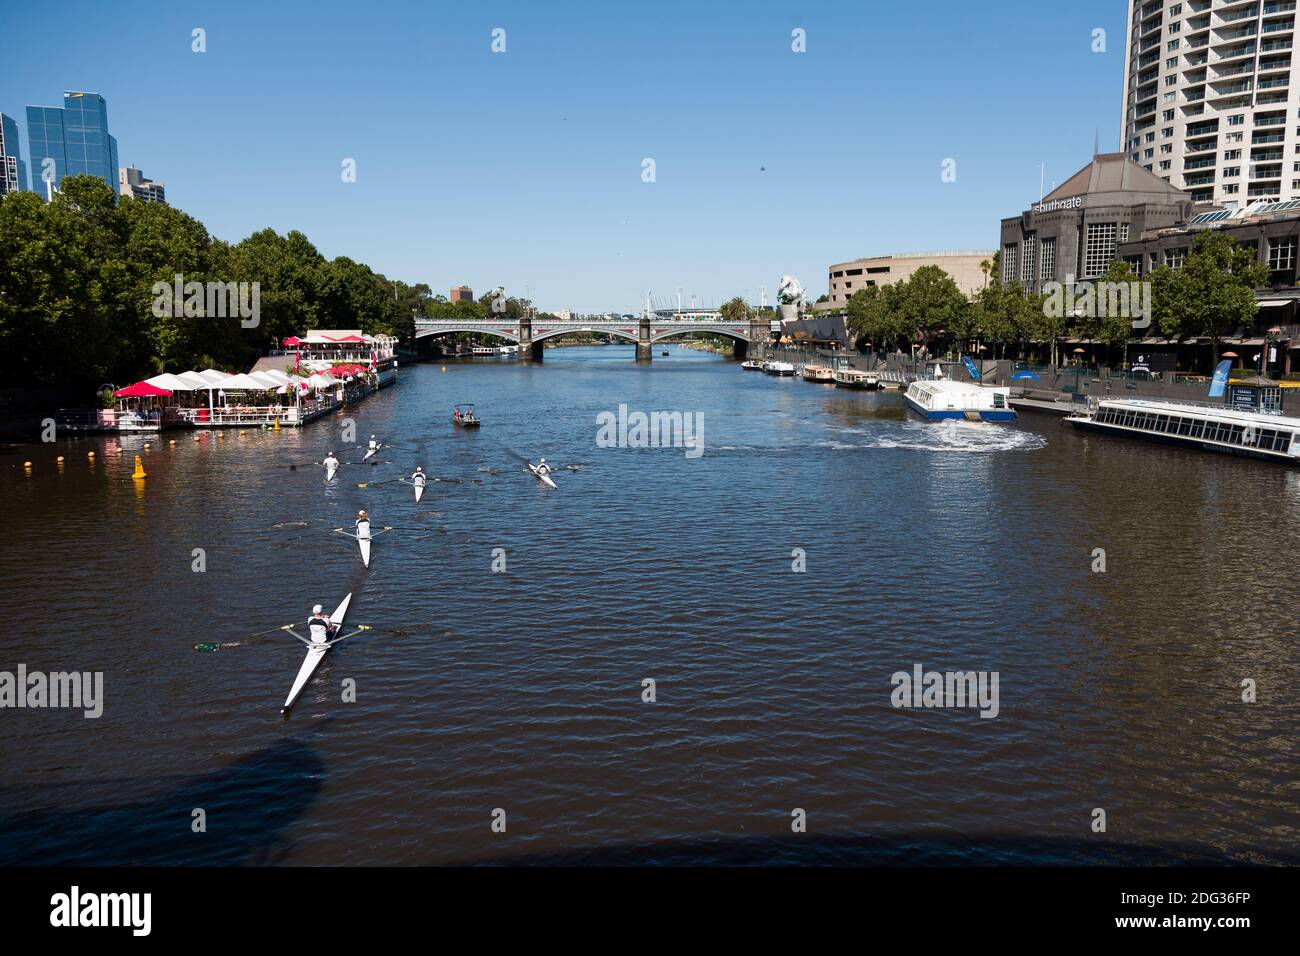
x=524, y=168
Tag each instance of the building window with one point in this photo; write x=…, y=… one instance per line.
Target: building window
x=1169, y=116
x=1281, y=255
x=1099, y=248
x=1231, y=188
x=1231, y=171
x=1174, y=258
x=1165, y=164
x=1027, y=260
x=1048, y=257
x=1237, y=120
x=1232, y=154
x=1009, y=262
x=1123, y=232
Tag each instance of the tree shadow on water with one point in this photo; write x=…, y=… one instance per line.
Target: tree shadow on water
x=249, y=806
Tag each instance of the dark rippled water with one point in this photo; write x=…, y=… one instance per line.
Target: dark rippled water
x=968, y=548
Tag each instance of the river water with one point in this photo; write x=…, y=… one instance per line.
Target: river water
x=518, y=695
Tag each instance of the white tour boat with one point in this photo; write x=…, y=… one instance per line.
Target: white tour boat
x=939, y=399
x=1218, y=428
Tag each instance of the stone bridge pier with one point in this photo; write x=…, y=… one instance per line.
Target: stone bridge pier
x=644, y=348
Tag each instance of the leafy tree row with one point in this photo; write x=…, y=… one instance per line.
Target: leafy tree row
x=76, y=289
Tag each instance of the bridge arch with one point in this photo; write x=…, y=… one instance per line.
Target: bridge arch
x=620, y=333
x=731, y=333
x=478, y=329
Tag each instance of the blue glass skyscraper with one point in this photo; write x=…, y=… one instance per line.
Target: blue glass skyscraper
x=72, y=140
x=13, y=171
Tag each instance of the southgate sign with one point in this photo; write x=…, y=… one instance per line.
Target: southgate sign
x=1073, y=202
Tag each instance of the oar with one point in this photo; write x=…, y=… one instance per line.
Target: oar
x=373, y=534
x=208, y=646
x=360, y=628
x=371, y=484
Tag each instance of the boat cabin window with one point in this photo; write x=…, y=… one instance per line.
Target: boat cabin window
x=998, y=401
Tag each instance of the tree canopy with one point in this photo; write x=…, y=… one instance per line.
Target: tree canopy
x=76, y=292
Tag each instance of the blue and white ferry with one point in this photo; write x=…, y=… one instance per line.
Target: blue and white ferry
x=939, y=399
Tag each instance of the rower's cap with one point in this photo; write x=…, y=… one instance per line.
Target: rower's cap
x=317, y=609
x=359, y=513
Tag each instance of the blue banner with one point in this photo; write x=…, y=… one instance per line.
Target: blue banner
x=970, y=367
x=1220, y=378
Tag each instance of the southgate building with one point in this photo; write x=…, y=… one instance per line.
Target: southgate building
x=1209, y=102
x=74, y=139
x=1074, y=232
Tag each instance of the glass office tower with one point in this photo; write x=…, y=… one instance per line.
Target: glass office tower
x=13, y=171
x=75, y=138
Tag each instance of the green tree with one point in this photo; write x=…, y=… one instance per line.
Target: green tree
x=735, y=310
x=1214, y=291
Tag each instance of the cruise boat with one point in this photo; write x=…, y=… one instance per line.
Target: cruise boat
x=1218, y=428
x=778, y=368
x=939, y=399
x=854, y=378
x=818, y=373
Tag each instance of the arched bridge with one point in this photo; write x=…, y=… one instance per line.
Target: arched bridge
x=530, y=334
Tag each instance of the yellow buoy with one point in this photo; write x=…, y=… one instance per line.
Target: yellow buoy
x=27, y=464
x=59, y=459
x=172, y=442
x=90, y=454
x=444, y=368
x=139, y=468
x=277, y=425
x=146, y=446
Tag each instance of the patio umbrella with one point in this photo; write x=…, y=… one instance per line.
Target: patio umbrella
x=1024, y=373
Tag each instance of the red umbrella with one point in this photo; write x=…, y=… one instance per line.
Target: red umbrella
x=140, y=390
x=292, y=340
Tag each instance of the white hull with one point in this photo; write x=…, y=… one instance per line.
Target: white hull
x=330, y=471
x=363, y=542
x=544, y=479
x=419, y=492
x=370, y=454
x=314, y=657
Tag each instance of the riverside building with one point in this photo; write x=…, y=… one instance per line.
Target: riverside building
x=1209, y=102
x=13, y=171
x=1073, y=232
x=846, y=278
x=71, y=140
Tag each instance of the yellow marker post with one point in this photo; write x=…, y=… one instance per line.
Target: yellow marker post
x=139, y=468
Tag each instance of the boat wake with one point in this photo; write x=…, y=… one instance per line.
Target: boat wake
x=954, y=436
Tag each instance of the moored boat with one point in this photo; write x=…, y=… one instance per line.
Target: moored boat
x=778, y=368
x=752, y=365
x=818, y=373
x=1217, y=428
x=940, y=399
x=855, y=378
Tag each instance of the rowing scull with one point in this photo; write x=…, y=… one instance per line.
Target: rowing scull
x=315, y=654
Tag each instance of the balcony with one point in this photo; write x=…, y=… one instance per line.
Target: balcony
x=1284, y=7
x=1205, y=179
x=1268, y=138
x=1203, y=146
x=1266, y=155
x=1274, y=82
x=1198, y=163
x=1270, y=171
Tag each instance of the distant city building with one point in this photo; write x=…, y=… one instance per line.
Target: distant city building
x=75, y=138
x=13, y=171
x=847, y=278
x=1074, y=231
x=131, y=182
x=566, y=315
x=692, y=315
x=462, y=293
x=1209, y=105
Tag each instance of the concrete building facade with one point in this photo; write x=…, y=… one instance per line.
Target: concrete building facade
x=131, y=182
x=1074, y=232
x=462, y=293
x=1209, y=102
x=846, y=278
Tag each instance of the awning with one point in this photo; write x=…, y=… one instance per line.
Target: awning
x=1263, y=303
x=173, y=383
x=246, y=383
x=141, y=390
x=291, y=341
